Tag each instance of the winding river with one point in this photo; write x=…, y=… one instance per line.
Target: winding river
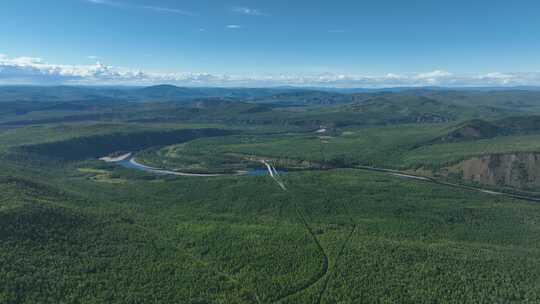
x=128, y=161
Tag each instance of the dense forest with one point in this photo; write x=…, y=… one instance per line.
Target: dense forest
x=75, y=229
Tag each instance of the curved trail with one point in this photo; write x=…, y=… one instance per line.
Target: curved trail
x=336, y=264
x=324, y=271
x=330, y=274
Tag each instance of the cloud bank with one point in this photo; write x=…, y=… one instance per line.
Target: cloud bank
x=36, y=71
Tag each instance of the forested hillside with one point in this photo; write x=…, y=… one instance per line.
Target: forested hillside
x=375, y=197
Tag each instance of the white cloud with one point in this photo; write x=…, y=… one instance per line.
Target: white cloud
x=105, y=2
x=435, y=74
x=234, y=26
x=159, y=9
x=30, y=70
x=502, y=78
x=247, y=11
x=166, y=10
x=92, y=57
x=434, y=77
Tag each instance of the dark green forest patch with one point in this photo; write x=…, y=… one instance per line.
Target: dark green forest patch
x=101, y=145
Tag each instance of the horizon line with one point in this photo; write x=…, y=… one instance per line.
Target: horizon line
x=410, y=87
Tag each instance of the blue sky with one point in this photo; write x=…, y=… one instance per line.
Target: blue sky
x=260, y=43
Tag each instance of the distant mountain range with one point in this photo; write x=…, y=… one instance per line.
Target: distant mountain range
x=173, y=93
x=303, y=108
x=160, y=93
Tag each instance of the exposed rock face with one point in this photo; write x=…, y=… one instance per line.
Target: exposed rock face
x=519, y=170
